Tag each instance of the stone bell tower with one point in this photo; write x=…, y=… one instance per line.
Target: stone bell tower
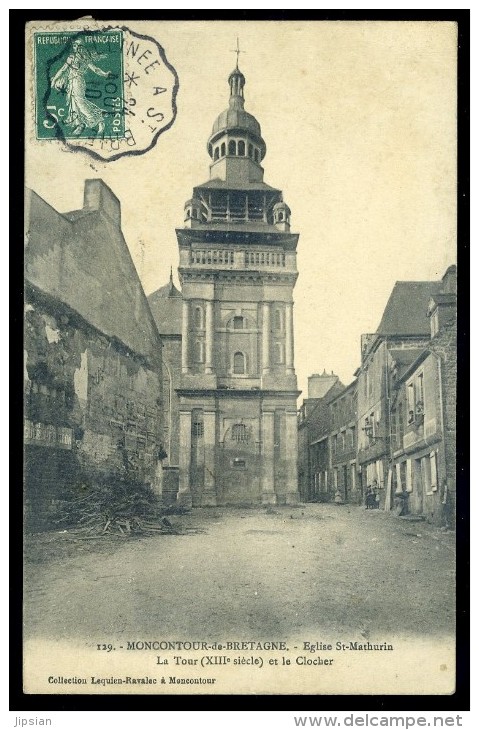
x=238, y=389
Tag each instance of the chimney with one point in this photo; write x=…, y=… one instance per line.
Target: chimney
x=449, y=280
x=319, y=385
x=98, y=196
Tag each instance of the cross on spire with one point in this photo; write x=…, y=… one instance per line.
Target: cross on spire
x=237, y=51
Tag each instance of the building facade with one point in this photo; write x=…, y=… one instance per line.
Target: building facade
x=403, y=332
x=92, y=379
x=238, y=388
x=314, y=428
x=393, y=429
x=343, y=445
x=423, y=417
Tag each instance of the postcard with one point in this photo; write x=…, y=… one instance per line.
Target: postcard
x=240, y=357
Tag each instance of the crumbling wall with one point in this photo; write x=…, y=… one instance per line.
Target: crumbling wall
x=92, y=408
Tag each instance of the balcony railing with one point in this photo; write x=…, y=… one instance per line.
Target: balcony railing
x=265, y=258
x=226, y=257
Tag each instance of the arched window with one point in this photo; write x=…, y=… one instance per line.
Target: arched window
x=223, y=149
x=238, y=363
x=256, y=155
x=250, y=151
x=198, y=318
x=239, y=433
x=281, y=216
x=278, y=320
x=232, y=147
x=238, y=323
x=217, y=152
x=241, y=148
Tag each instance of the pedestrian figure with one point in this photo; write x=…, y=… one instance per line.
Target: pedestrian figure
x=401, y=503
x=370, y=498
x=338, y=499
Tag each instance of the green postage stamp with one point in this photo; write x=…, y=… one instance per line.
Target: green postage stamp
x=104, y=91
x=79, y=84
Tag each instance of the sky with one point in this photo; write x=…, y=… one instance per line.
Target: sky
x=359, y=120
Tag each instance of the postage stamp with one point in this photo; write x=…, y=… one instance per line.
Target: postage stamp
x=79, y=85
x=107, y=91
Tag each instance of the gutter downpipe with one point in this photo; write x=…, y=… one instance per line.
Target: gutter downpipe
x=443, y=422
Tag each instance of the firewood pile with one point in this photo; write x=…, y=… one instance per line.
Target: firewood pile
x=114, y=508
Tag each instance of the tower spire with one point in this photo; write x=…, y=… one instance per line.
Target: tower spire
x=237, y=51
x=236, y=81
x=235, y=145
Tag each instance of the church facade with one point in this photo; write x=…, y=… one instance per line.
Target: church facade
x=238, y=388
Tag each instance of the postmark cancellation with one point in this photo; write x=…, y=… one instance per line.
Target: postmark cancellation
x=108, y=92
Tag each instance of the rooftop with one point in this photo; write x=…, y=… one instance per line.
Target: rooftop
x=166, y=304
x=406, y=310
x=442, y=298
x=405, y=358
x=217, y=184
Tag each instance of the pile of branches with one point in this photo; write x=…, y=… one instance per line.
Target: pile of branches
x=115, y=506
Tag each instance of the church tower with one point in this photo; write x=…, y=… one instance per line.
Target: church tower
x=238, y=388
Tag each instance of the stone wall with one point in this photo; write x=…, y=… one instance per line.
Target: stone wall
x=303, y=462
x=92, y=408
x=444, y=345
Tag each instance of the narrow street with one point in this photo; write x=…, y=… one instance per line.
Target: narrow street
x=264, y=573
